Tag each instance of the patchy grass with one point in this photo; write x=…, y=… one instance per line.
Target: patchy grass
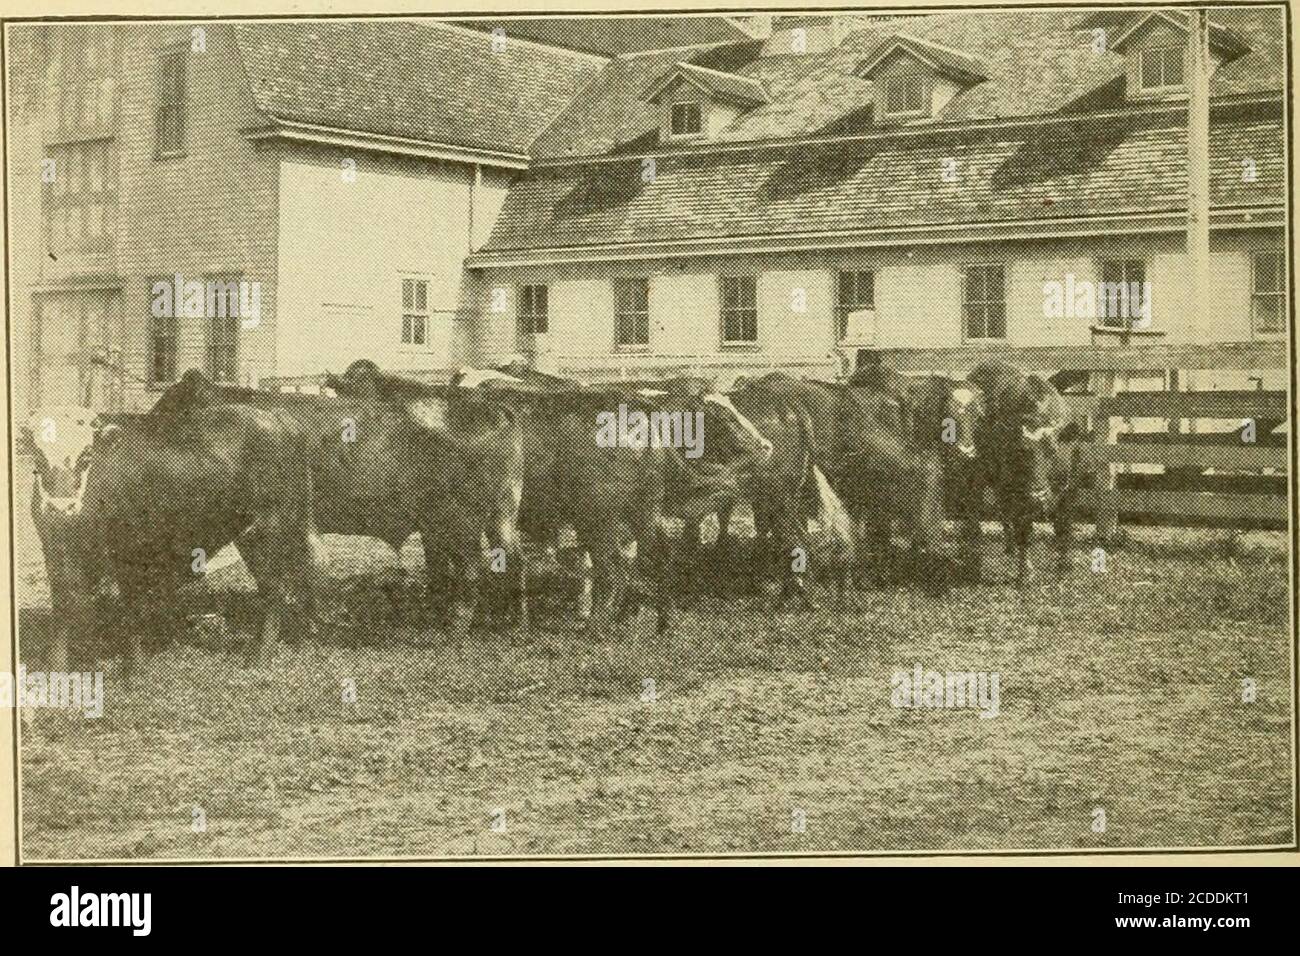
x=1119, y=690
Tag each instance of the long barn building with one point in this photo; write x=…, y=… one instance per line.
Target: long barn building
x=690, y=193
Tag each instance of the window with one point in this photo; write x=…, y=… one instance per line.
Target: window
x=81, y=201
x=686, y=119
x=532, y=310
x=170, y=128
x=631, y=313
x=984, y=304
x=905, y=95
x=80, y=79
x=415, y=312
x=854, y=291
x=739, y=310
x=222, y=301
x=162, y=343
x=1162, y=68
x=1120, y=298
x=1267, y=298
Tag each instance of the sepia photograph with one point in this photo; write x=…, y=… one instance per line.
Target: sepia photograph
x=683, y=434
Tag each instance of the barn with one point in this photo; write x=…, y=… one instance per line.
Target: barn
x=713, y=193
x=938, y=182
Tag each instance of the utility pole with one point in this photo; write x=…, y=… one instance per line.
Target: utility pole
x=1198, y=171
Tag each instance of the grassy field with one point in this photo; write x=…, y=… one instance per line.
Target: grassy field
x=1119, y=691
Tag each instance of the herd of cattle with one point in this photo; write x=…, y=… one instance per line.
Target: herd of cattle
x=126, y=506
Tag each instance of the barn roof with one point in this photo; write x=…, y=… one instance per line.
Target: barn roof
x=1048, y=136
x=1071, y=169
x=414, y=79
x=1036, y=62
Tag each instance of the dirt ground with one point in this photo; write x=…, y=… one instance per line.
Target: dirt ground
x=1120, y=691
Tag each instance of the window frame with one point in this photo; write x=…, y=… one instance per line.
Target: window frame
x=59, y=196
x=699, y=119
x=154, y=382
x=163, y=107
x=639, y=317
x=212, y=337
x=528, y=313
x=842, y=308
x=1106, y=321
x=81, y=77
x=967, y=302
x=925, y=88
x=1277, y=295
x=412, y=314
x=724, y=311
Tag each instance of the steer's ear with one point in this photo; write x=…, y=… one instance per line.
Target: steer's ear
x=1070, y=431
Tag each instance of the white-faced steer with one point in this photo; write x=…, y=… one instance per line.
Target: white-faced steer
x=134, y=510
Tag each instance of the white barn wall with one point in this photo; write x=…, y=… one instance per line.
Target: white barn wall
x=344, y=248
x=918, y=295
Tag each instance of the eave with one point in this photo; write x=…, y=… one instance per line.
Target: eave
x=1119, y=223
x=292, y=131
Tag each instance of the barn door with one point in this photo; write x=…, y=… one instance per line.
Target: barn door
x=58, y=357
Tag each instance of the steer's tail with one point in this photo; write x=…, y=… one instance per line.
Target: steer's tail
x=836, y=522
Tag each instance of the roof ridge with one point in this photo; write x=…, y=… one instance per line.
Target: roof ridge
x=937, y=46
x=524, y=41
x=939, y=128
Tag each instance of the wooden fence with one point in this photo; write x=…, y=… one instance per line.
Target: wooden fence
x=1203, y=466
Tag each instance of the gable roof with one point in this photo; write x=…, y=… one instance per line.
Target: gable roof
x=413, y=79
x=1221, y=38
x=951, y=63
x=728, y=87
x=1038, y=62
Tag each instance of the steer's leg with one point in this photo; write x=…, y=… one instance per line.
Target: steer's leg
x=601, y=537
x=438, y=573
x=504, y=534
x=467, y=569
x=1021, y=533
x=1063, y=528
x=258, y=546
x=656, y=555
x=725, y=541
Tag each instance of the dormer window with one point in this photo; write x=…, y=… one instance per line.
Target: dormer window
x=697, y=103
x=915, y=79
x=686, y=119
x=1155, y=46
x=1162, y=68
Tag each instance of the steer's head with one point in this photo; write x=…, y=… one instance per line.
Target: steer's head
x=64, y=439
x=1042, y=424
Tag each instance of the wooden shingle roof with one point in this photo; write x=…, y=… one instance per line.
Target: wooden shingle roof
x=414, y=79
x=1036, y=62
x=1128, y=165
